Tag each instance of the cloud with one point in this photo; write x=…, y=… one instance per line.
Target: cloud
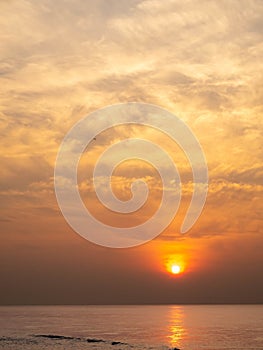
x=201, y=61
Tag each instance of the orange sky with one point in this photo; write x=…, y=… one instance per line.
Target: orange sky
x=201, y=61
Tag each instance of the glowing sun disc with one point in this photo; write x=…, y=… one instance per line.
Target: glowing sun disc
x=176, y=269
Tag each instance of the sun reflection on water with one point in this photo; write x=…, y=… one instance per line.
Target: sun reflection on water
x=176, y=330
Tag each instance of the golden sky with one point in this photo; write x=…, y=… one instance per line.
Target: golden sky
x=202, y=61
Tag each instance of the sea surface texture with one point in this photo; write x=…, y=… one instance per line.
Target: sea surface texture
x=186, y=327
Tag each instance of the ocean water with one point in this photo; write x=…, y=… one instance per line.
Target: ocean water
x=189, y=327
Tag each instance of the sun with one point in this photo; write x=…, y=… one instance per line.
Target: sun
x=175, y=269
x=175, y=264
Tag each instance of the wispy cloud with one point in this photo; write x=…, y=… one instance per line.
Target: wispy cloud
x=201, y=60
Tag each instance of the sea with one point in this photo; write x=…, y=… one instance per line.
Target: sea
x=186, y=327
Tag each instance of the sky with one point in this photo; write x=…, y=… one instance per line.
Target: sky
x=201, y=61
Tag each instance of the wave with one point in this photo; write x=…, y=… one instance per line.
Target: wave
x=89, y=340
x=55, y=341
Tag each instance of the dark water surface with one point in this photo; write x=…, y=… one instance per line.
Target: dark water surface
x=211, y=327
